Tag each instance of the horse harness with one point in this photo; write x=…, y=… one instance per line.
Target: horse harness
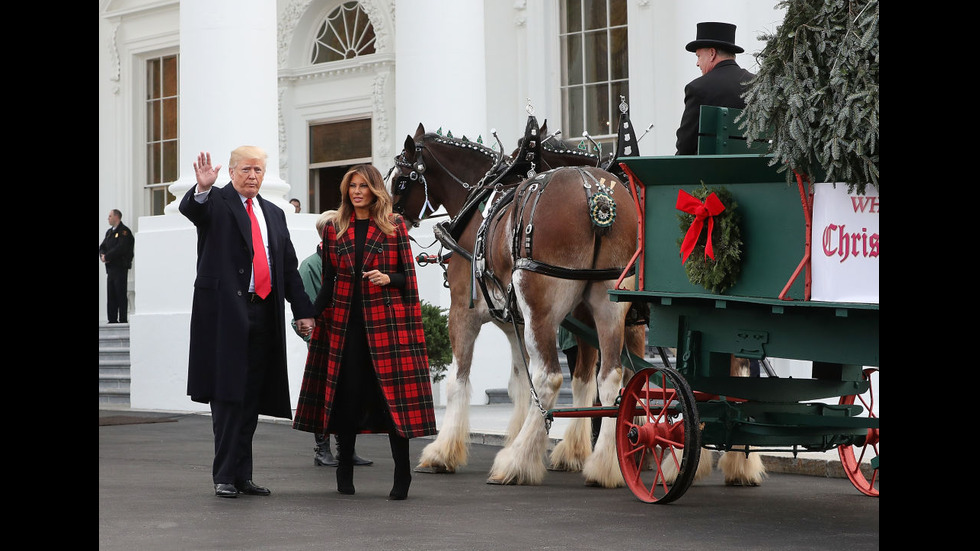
x=526, y=198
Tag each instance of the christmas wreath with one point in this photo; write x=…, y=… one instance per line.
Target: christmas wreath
x=711, y=242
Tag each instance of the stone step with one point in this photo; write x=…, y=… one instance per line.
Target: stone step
x=114, y=364
x=114, y=355
x=499, y=396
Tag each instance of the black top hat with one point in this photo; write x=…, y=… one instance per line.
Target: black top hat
x=715, y=35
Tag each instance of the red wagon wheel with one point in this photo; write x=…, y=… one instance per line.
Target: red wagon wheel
x=657, y=421
x=853, y=457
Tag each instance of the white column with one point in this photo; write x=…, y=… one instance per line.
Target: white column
x=441, y=78
x=441, y=70
x=228, y=97
x=228, y=89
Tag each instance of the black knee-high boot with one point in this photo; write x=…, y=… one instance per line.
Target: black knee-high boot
x=345, y=463
x=403, y=468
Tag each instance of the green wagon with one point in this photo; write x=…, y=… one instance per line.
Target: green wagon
x=764, y=312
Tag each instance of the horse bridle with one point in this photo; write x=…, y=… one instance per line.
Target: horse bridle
x=416, y=172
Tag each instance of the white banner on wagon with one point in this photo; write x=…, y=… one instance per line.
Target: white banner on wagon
x=844, y=250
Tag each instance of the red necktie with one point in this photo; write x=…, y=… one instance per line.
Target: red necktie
x=260, y=264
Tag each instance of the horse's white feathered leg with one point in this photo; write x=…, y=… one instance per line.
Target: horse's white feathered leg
x=518, y=388
x=576, y=445
x=450, y=448
x=742, y=470
x=602, y=467
x=522, y=462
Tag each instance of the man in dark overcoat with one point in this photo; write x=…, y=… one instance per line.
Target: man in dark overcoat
x=116, y=252
x=722, y=82
x=238, y=340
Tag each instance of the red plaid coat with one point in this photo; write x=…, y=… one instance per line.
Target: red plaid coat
x=393, y=320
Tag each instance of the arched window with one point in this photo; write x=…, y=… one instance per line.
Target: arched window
x=346, y=33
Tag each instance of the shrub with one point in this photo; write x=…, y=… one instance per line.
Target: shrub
x=435, y=325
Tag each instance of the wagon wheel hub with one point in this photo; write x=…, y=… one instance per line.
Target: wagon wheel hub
x=661, y=433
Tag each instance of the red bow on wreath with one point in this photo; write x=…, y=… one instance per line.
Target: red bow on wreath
x=710, y=208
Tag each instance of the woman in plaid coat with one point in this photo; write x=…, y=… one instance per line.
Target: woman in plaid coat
x=367, y=368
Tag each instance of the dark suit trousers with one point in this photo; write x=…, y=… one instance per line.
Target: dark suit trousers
x=117, y=303
x=234, y=423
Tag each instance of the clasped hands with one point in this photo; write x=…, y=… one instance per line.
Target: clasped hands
x=305, y=326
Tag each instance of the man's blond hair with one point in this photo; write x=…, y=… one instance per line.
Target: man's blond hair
x=246, y=152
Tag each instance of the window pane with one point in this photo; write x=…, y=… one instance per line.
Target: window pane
x=597, y=109
x=170, y=76
x=595, y=14
x=169, y=161
x=340, y=140
x=153, y=121
x=596, y=57
x=156, y=201
x=574, y=109
x=159, y=198
x=153, y=163
x=619, y=54
x=573, y=65
x=169, y=119
x=572, y=21
x=153, y=78
x=617, y=12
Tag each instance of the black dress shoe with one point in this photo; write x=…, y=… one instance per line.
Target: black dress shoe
x=225, y=490
x=250, y=488
x=358, y=460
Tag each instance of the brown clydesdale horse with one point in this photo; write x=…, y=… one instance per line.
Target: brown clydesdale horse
x=539, y=255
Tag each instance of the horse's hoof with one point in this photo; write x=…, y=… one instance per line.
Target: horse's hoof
x=497, y=482
x=593, y=484
x=741, y=483
x=434, y=469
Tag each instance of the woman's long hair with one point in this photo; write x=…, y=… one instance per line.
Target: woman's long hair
x=380, y=208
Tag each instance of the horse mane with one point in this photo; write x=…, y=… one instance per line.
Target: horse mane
x=459, y=142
